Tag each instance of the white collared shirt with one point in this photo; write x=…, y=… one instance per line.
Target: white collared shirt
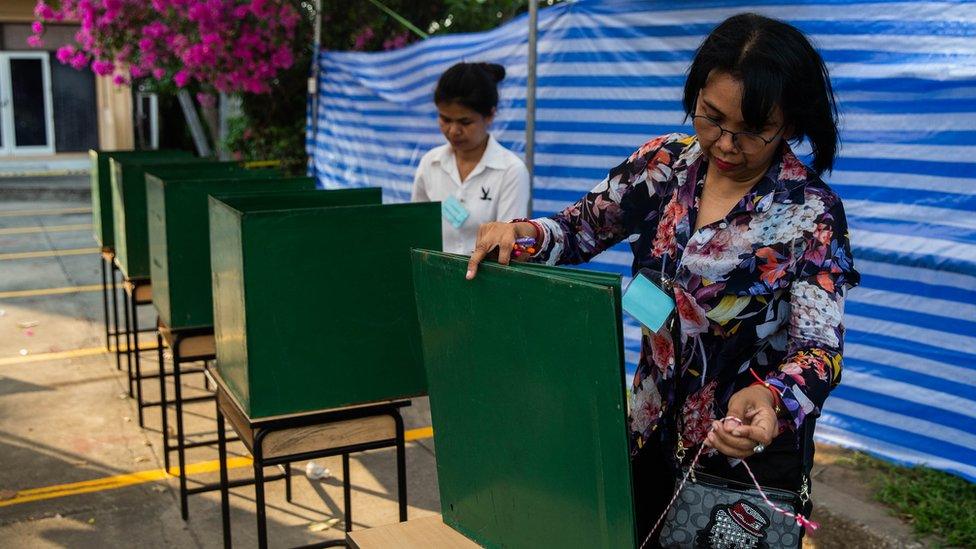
x=496, y=190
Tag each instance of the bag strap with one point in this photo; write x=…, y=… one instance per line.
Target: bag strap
x=807, y=449
x=806, y=443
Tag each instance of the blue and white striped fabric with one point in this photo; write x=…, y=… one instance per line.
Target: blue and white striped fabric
x=610, y=77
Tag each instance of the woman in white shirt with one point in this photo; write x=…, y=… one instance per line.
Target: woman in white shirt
x=475, y=178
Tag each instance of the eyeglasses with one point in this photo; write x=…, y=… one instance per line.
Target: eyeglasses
x=747, y=142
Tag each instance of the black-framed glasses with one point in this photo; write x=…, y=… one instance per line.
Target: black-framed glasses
x=747, y=142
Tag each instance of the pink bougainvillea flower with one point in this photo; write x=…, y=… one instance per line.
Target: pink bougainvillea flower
x=43, y=11
x=229, y=46
x=103, y=68
x=181, y=78
x=64, y=54
x=79, y=60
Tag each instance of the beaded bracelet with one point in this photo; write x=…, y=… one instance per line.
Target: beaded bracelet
x=524, y=245
x=535, y=225
x=527, y=245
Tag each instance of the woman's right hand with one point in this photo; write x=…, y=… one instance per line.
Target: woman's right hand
x=499, y=236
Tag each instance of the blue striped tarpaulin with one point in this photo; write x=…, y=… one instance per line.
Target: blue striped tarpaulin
x=610, y=77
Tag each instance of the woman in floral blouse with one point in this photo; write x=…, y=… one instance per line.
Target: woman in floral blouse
x=757, y=246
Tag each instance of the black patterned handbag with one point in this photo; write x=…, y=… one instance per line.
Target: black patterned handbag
x=718, y=513
x=723, y=514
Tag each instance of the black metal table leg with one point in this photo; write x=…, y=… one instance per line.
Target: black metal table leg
x=163, y=406
x=224, y=488
x=135, y=352
x=401, y=464
x=257, y=455
x=115, y=316
x=288, y=482
x=108, y=339
x=128, y=337
x=346, y=492
x=180, y=448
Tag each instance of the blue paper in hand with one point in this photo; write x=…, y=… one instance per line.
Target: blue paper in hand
x=454, y=212
x=649, y=304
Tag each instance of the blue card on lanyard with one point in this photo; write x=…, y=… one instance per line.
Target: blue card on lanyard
x=454, y=212
x=646, y=302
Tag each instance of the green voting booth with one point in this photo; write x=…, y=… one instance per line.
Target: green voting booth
x=104, y=230
x=314, y=306
x=179, y=245
x=526, y=377
x=129, y=201
x=101, y=187
x=179, y=228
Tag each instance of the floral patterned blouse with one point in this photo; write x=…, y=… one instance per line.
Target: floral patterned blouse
x=761, y=289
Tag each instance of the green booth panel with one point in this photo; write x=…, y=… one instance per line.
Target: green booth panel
x=129, y=201
x=314, y=307
x=179, y=244
x=526, y=380
x=101, y=187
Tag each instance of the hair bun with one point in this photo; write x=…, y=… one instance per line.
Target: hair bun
x=496, y=71
x=473, y=85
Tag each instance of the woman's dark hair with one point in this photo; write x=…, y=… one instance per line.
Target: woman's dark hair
x=776, y=65
x=474, y=85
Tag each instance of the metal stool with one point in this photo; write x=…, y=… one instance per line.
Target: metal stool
x=136, y=292
x=108, y=281
x=285, y=439
x=187, y=345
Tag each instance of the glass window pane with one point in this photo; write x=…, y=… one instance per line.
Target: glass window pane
x=30, y=119
x=2, y=144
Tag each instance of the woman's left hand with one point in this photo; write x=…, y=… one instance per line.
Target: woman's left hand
x=754, y=406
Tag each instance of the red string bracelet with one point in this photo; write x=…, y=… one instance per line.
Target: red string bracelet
x=777, y=398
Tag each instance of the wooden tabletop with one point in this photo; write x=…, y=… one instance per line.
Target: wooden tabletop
x=422, y=533
x=298, y=439
x=191, y=347
x=139, y=289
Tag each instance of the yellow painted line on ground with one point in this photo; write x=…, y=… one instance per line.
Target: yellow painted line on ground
x=74, y=353
x=116, y=482
x=49, y=211
x=50, y=291
x=419, y=434
x=45, y=173
x=50, y=253
x=48, y=229
x=262, y=164
x=142, y=477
